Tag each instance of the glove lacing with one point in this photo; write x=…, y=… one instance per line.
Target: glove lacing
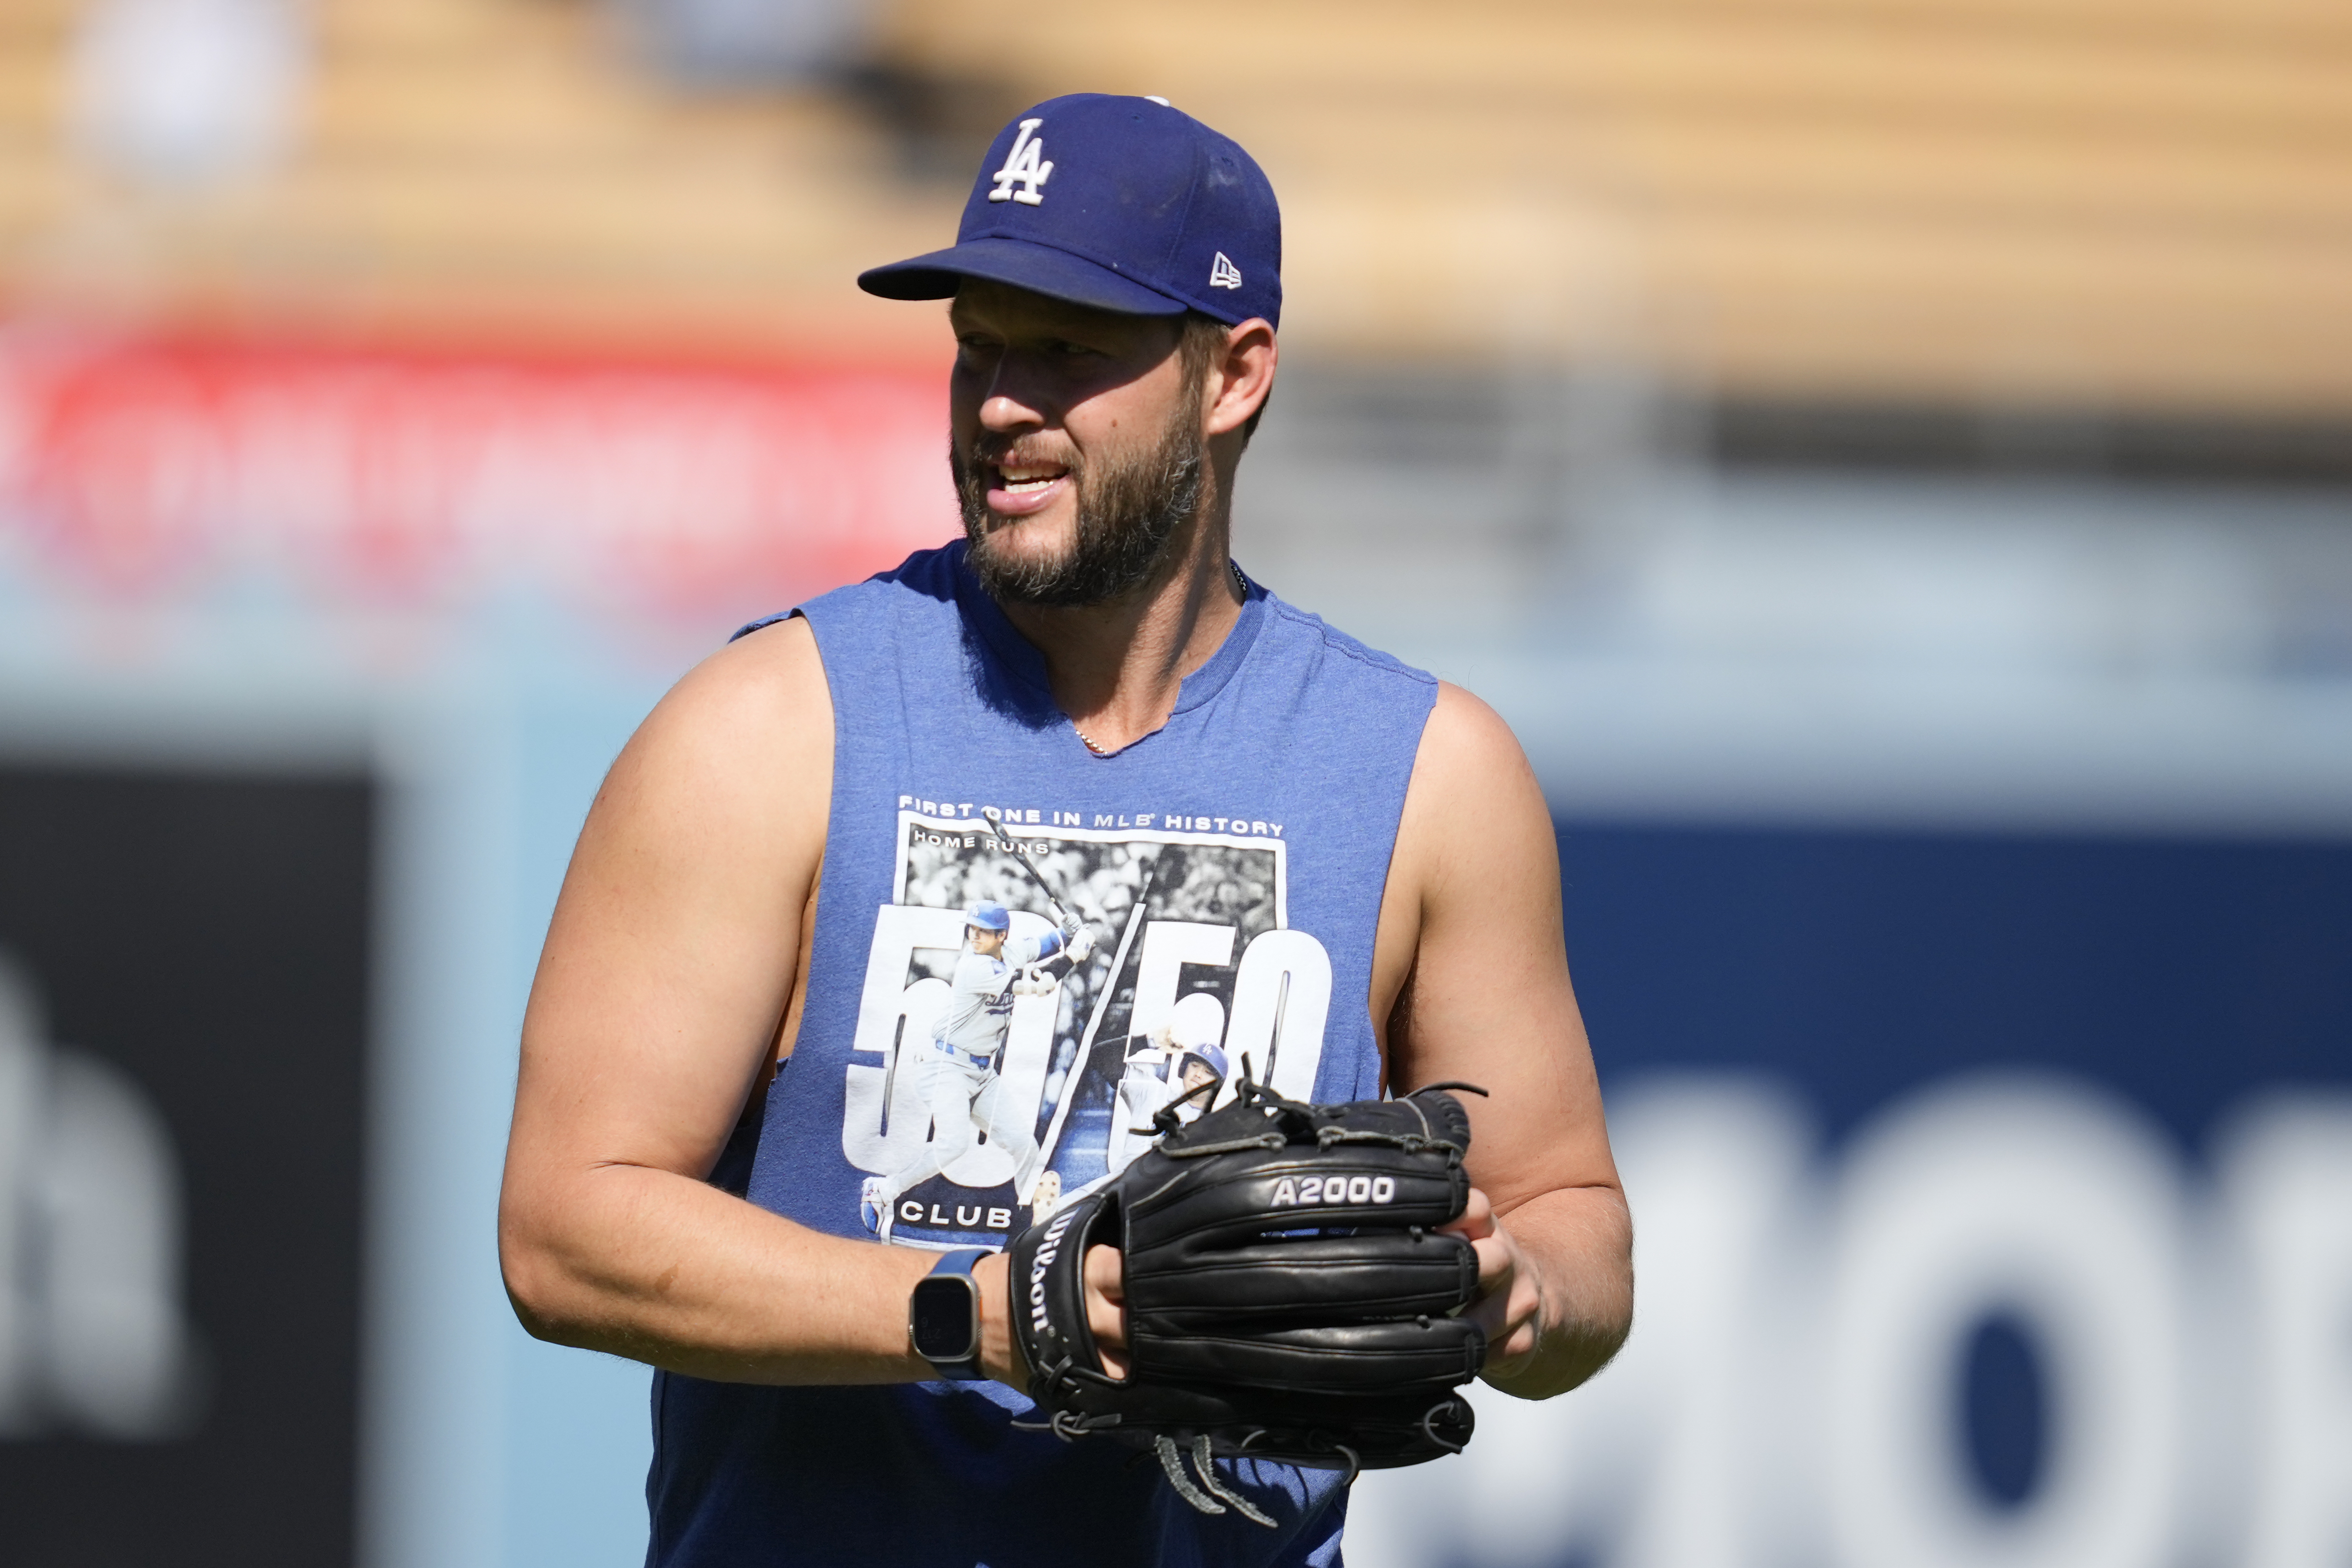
x=1204, y=1464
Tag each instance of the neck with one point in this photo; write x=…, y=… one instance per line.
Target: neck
x=1117, y=668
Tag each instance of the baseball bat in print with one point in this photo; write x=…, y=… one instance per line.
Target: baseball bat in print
x=1005, y=842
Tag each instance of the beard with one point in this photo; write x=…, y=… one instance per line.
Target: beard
x=1129, y=508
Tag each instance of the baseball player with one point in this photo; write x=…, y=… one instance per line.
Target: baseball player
x=1159, y=1072
x=961, y=1077
x=1088, y=648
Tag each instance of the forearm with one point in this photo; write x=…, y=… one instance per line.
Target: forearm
x=662, y=1268
x=1579, y=1242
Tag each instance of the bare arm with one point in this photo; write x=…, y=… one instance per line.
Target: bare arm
x=663, y=994
x=1472, y=963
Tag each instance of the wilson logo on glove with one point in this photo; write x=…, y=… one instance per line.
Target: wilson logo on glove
x=1333, y=1190
x=1043, y=1261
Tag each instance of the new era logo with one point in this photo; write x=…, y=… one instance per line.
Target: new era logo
x=1023, y=168
x=1223, y=273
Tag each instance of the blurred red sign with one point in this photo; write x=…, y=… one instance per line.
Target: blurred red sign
x=148, y=467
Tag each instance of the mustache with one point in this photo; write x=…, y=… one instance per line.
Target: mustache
x=1011, y=452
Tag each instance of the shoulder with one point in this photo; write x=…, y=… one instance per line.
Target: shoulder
x=740, y=750
x=1467, y=747
x=769, y=678
x=1473, y=793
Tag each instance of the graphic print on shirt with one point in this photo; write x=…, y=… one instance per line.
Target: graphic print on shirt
x=1143, y=956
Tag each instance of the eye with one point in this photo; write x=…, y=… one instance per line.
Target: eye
x=1064, y=347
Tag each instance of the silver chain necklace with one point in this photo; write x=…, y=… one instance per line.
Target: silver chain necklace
x=1240, y=582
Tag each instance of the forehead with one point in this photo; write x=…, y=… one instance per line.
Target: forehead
x=1001, y=307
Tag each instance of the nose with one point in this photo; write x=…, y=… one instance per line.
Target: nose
x=1012, y=400
x=1003, y=414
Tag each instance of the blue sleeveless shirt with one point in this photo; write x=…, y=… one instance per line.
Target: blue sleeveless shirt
x=1230, y=868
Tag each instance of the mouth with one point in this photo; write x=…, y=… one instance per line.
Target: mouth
x=1017, y=489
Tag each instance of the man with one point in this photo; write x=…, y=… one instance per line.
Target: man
x=1162, y=1072
x=1355, y=858
x=961, y=1084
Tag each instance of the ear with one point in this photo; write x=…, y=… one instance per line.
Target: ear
x=1240, y=377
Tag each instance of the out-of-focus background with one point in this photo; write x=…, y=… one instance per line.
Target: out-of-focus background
x=1891, y=459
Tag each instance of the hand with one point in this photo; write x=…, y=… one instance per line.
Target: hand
x=999, y=1347
x=1509, y=1292
x=1107, y=1308
x=1082, y=944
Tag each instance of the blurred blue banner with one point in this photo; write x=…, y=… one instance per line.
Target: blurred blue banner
x=1993, y=1199
x=2179, y=974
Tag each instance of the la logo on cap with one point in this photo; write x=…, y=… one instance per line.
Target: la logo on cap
x=1023, y=168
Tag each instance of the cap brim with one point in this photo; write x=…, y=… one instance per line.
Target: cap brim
x=1039, y=268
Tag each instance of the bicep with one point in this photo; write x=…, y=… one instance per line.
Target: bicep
x=1488, y=998
x=672, y=952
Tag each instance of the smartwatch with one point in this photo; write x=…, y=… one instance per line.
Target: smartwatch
x=943, y=1316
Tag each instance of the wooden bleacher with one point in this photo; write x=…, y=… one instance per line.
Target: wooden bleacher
x=2061, y=202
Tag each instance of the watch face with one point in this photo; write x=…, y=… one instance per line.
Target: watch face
x=946, y=1318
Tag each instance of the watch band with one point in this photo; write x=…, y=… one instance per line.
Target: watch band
x=951, y=1274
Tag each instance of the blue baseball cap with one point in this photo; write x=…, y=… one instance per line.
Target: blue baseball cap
x=1123, y=203
x=987, y=916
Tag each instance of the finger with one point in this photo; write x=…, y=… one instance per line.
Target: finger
x=1509, y=1324
x=1106, y=1316
x=1497, y=1276
x=1476, y=1221
x=1518, y=1335
x=1508, y=1307
x=1105, y=1272
x=1497, y=1264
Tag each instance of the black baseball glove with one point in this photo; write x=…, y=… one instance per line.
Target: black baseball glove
x=1287, y=1296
